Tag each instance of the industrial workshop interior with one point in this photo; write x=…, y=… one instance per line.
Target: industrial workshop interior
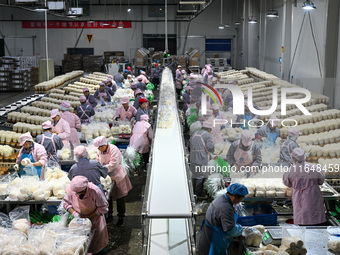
x=169, y=127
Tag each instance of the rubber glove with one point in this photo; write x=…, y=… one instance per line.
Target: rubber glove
x=75, y=214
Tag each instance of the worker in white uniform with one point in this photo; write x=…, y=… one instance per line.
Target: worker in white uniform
x=244, y=153
x=288, y=146
x=201, y=144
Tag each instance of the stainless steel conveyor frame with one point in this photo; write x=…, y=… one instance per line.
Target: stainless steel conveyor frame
x=168, y=213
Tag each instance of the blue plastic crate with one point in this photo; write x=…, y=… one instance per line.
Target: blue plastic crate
x=122, y=146
x=268, y=218
x=52, y=209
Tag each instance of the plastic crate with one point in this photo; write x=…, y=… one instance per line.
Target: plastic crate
x=269, y=218
x=52, y=209
x=122, y=146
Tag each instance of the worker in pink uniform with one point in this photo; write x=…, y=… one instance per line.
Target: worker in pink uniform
x=304, y=178
x=61, y=127
x=144, y=78
x=109, y=156
x=33, y=151
x=141, y=138
x=85, y=200
x=217, y=118
x=245, y=154
x=74, y=122
x=126, y=111
x=179, y=70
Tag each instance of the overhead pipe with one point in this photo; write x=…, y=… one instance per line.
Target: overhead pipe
x=199, y=12
x=166, y=26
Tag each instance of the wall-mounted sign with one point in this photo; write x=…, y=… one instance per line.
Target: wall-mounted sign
x=89, y=37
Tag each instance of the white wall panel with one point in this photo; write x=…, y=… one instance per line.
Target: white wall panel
x=274, y=41
x=305, y=69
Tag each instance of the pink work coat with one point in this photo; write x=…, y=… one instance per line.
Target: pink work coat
x=308, y=203
x=216, y=130
x=122, y=114
x=39, y=154
x=93, y=201
x=113, y=160
x=145, y=80
x=243, y=158
x=63, y=130
x=141, y=137
x=74, y=122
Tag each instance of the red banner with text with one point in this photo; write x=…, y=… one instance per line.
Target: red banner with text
x=76, y=24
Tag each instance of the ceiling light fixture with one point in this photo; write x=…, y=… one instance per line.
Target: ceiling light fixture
x=308, y=5
x=41, y=8
x=272, y=14
x=252, y=20
x=186, y=11
x=120, y=24
x=114, y=24
x=238, y=20
x=221, y=26
x=129, y=9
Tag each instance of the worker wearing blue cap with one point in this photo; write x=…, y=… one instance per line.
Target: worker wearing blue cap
x=220, y=225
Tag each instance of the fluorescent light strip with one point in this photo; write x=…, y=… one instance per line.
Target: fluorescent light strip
x=192, y=2
x=184, y=11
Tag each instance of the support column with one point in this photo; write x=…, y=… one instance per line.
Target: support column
x=286, y=38
x=263, y=34
x=331, y=49
x=245, y=47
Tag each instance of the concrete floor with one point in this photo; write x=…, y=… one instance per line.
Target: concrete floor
x=127, y=239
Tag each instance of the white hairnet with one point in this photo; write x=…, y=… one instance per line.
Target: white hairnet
x=195, y=127
x=299, y=154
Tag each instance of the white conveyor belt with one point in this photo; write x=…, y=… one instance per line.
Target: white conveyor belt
x=169, y=237
x=168, y=188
